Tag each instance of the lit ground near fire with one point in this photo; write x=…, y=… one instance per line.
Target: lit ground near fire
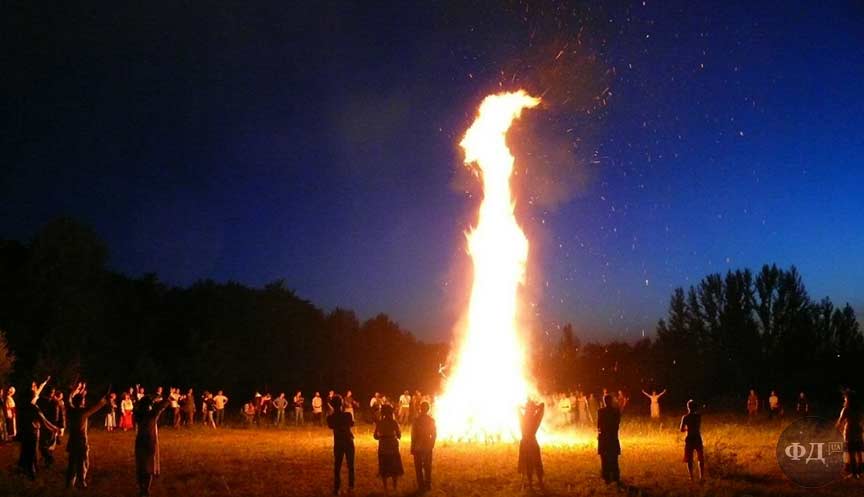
x=297, y=462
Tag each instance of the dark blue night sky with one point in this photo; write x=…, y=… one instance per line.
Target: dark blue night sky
x=317, y=142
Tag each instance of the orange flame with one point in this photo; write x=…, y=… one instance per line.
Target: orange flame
x=489, y=381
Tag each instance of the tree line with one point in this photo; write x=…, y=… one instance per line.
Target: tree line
x=65, y=314
x=721, y=337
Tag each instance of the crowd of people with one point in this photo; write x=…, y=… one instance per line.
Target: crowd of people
x=42, y=422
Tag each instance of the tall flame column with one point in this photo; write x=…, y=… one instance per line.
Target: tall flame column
x=488, y=379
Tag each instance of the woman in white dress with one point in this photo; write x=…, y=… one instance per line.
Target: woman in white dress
x=655, y=402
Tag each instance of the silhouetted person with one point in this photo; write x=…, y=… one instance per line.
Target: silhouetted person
x=147, y=442
x=423, y=435
x=608, y=445
x=343, y=443
x=32, y=420
x=530, y=463
x=655, y=402
x=691, y=424
x=188, y=406
x=802, y=406
x=853, y=436
x=78, y=446
x=387, y=433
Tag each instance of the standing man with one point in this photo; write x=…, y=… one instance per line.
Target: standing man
x=318, y=409
x=329, y=407
x=280, y=403
x=375, y=405
x=298, y=408
x=220, y=401
x=189, y=408
x=349, y=404
x=850, y=421
x=564, y=406
x=343, y=443
x=404, y=407
x=802, y=407
x=174, y=397
x=608, y=445
x=691, y=424
x=78, y=446
x=423, y=435
x=773, y=405
x=752, y=404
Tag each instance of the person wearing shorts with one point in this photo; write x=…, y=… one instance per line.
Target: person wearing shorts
x=691, y=424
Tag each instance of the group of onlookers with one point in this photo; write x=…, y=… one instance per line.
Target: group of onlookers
x=774, y=406
x=387, y=432
x=41, y=423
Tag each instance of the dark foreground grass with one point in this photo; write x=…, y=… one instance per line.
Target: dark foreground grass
x=298, y=462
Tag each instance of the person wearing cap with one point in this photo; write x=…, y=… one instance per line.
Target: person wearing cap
x=343, y=443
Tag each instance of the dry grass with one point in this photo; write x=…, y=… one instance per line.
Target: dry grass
x=297, y=462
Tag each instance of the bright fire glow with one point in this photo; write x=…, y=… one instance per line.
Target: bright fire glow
x=488, y=379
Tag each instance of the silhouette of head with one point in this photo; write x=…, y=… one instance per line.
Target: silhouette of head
x=607, y=400
x=387, y=411
x=424, y=407
x=336, y=402
x=691, y=405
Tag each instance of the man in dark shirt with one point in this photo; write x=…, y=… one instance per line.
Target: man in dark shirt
x=691, y=424
x=608, y=445
x=423, y=435
x=78, y=446
x=343, y=443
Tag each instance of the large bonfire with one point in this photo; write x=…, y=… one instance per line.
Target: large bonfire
x=488, y=378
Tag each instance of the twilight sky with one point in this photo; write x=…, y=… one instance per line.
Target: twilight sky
x=317, y=142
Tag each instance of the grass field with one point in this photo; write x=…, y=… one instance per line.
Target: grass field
x=297, y=462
